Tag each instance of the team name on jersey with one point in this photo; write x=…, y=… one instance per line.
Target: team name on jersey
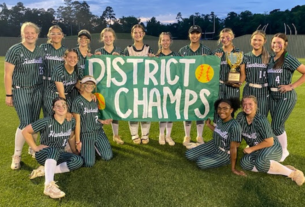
x=61, y=134
x=275, y=71
x=50, y=57
x=222, y=134
x=250, y=136
x=223, y=63
x=33, y=61
x=91, y=110
x=66, y=83
x=256, y=65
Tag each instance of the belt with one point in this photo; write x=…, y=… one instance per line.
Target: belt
x=220, y=81
x=26, y=86
x=58, y=93
x=222, y=149
x=254, y=85
x=46, y=78
x=274, y=89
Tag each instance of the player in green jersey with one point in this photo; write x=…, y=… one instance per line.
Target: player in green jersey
x=108, y=37
x=256, y=63
x=55, y=132
x=264, y=151
x=222, y=149
x=164, y=43
x=194, y=48
x=89, y=134
x=282, y=94
x=23, y=70
x=138, y=49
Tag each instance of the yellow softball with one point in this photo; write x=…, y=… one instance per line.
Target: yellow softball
x=204, y=73
x=100, y=101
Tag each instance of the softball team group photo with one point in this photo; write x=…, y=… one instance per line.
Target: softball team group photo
x=50, y=78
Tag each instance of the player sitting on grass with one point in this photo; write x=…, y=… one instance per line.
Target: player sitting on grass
x=55, y=132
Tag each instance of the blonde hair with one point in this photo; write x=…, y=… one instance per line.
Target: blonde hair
x=49, y=33
x=225, y=30
x=137, y=26
x=28, y=24
x=107, y=30
x=160, y=39
x=265, y=53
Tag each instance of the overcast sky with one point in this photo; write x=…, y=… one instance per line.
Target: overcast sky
x=167, y=12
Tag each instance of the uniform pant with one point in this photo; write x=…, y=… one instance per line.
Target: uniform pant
x=226, y=91
x=95, y=141
x=262, y=96
x=281, y=106
x=27, y=103
x=208, y=156
x=73, y=161
x=261, y=158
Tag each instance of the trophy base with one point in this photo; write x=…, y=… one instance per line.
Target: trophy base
x=234, y=77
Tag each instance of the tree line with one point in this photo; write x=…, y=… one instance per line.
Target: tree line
x=75, y=15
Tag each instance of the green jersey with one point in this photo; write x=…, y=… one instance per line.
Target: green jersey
x=256, y=70
x=170, y=54
x=202, y=50
x=52, y=133
x=81, y=63
x=28, y=69
x=104, y=52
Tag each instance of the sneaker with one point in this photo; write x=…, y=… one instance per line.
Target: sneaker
x=191, y=145
x=136, y=140
x=53, y=191
x=145, y=140
x=117, y=139
x=298, y=177
x=199, y=140
x=186, y=141
x=31, y=152
x=161, y=140
x=39, y=172
x=170, y=141
x=15, y=162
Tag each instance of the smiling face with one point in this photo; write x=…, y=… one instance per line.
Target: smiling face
x=60, y=108
x=224, y=111
x=257, y=42
x=195, y=37
x=29, y=35
x=83, y=41
x=165, y=41
x=108, y=38
x=226, y=39
x=56, y=35
x=71, y=58
x=88, y=86
x=249, y=106
x=137, y=34
x=278, y=45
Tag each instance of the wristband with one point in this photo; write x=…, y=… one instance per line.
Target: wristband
x=9, y=95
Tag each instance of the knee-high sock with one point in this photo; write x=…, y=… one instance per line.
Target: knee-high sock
x=145, y=127
x=162, y=127
x=283, y=140
x=19, y=142
x=133, y=127
x=49, y=169
x=187, y=128
x=278, y=169
x=199, y=129
x=62, y=168
x=169, y=127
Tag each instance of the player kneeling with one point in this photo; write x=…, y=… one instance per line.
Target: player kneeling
x=89, y=133
x=55, y=132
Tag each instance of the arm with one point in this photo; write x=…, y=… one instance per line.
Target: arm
x=242, y=76
x=233, y=155
x=107, y=121
x=72, y=143
x=8, y=82
x=27, y=133
x=77, y=132
x=60, y=89
x=208, y=124
x=264, y=144
x=300, y=81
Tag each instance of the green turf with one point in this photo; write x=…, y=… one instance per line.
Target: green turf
x=151, y=175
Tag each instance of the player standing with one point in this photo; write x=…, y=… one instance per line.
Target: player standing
x=195, y=48
x=23, y=72
x=264, y=151
x=282, y=94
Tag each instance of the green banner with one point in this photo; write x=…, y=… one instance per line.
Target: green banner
x=155, y=89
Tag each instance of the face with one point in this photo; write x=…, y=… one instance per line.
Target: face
x=226, y=39
x=138, y=34
x=83, y=41
x=56, y=35
x=108, y=38
x=249, y=106
x=224, y=111
x=60, y=108
x=29, y=35
x=165, y=41
x=89, y=86
x=71, y=59
x=278, y=45
x=195, y=37
x=257, y=42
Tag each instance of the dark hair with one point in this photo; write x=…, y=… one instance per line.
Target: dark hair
x=279, y=63
x=233, y=102
x=58, y=99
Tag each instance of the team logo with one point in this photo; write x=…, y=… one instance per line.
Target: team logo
x=101, y=101
x=204, y=73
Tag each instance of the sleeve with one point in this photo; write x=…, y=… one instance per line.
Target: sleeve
x=76, y=107
x=235, y=132
x=11, y=56
x=262, y=126
x=97, y=50
x=125, y=52
x=57, y=75
x=245, y=59
x=209, y=52
x=150, y=50
x=40, y=124
x=292, y=62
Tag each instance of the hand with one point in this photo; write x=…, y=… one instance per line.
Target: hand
x=93, y=97
x=285, y=88
x=69, y=116
x=248, y=150
x=151, y=55
x=78, y=146
x=107, y=121
x=115, y=53
x=241, y=173
x=89, y=54
x=40, y=147
x=236, y=85
x=9, y=101
x=219, y=54
x=208, y=122
x=98, y=53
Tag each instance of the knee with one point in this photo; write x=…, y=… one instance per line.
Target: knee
x=190, y=155
x=108, y=156
x=202, y=164
x=88, y=163
x=246, y=164
x=76, y=162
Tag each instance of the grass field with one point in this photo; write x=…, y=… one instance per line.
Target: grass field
x=152, y=175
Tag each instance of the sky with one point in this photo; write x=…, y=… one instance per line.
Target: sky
x=166, y=11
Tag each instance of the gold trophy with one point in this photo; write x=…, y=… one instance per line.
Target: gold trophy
x=234, y=59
